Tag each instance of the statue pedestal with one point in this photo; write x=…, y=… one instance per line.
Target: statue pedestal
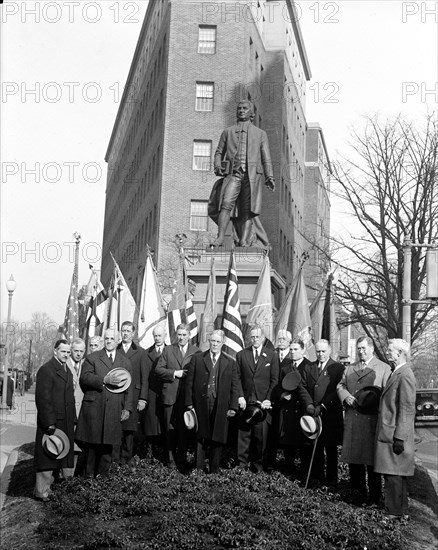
x=249, y=263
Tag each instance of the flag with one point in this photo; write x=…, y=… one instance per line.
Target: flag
x=231, y=320
x=121, y=306
x=151, y=311
x=260, y=312
x=294, y=314
x=97, y=306
x=70, y=328
x=181, y=308
x=209, y=316
x=323, y=316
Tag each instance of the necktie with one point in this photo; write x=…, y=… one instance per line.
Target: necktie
x=111, y=358
x=319, y=368
x=77, y=369
x=295, y=364
x=213, y=355
x=182, y=351
x=159, y=351
x=363, y=364
x=256, y=356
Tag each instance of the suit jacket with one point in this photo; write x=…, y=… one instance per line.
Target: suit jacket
x=257, y=381
x=55, y=405
x=227, y=393
x=170, y=361
x=140, y=381
x=78, y=393
x=396, y=420
x=322, y=389
x=99, y=420
x=360, y=428
x=258, y=157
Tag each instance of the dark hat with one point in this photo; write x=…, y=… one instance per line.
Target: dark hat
x=253, y=413
x=191, y=420
x=368, y=399
x=56, y=445
x=291, y=381
x=311, y=426
x=125, y=380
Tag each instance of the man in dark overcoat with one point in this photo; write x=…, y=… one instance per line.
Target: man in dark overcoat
x=140, y=388
x=243, y=157
x=55, y=403
x=171, y=370
x=151, y=418
x=291, y=405
x=360, y=425
x=258, y=370
x=212, y=390
x=320, y=379
x=103, y=411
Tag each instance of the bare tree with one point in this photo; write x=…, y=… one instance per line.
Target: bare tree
x=390, y=189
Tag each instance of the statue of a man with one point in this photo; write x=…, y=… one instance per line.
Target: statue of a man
x=243, y=159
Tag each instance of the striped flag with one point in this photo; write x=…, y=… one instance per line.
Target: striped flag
x=181, y=308
x=231, y=319
x=122, y=306
x=209, y=316
x=97, y=305
x=260, y=311
x=70, y=328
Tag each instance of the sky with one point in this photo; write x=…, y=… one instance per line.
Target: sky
x=63, y=70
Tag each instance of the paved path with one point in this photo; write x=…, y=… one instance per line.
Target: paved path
x=427, y=451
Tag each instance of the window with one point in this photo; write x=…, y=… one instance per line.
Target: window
x=207, y=39
x=201, y=155
x=204, y=96
x=198, y=215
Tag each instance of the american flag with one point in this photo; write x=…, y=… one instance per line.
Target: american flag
x=71, y=319
x=181, y=308
x=231, y=320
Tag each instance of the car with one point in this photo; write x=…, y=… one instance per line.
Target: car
x=426, y=406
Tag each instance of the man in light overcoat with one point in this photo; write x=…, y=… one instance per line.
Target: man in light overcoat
x=395, y=430
x=359, y=425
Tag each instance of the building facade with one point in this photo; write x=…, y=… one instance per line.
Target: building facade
x=193, y=62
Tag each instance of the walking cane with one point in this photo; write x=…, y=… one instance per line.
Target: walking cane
x=311, y=461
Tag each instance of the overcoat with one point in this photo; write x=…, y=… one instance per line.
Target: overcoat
x=151, y=416
x=396, y=420
x=99, y=420
x=227, y=394
x=291, y=411
x=55, y=403
x=259, y=164
x=256, y=382
x=140, y=381
x=360, y=428
x=322, y=389
x=170, y=361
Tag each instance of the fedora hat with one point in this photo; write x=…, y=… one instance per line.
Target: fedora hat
x=291, y=381
x=125, y=380
x=191, y=420
x=56, y=445
x=253, y=413
x=311, y=426
x=368, y=399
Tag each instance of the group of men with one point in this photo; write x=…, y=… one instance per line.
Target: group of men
x=263, y=394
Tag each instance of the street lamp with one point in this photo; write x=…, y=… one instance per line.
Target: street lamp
x=10, y=286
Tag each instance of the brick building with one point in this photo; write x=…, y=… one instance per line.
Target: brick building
x=193, y=62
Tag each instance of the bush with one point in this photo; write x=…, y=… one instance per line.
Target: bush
x=151, y=507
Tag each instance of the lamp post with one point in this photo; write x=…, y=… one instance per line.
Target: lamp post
x=10, y=286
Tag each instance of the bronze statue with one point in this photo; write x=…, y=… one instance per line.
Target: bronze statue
x=243, y=161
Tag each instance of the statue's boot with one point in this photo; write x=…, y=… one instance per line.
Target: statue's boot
x=246, y=234
x=224, y=218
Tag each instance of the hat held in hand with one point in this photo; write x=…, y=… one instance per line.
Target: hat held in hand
x=191, y=420
x=124, y=380
x=311, y=426
x=56, y=445
x=291, y=381
x=368, y=399
x=253, y=413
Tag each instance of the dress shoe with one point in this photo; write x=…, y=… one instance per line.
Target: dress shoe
x=41, y=499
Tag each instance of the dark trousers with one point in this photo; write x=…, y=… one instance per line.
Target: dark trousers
x=358, y=481
x=211, y=449
x=252, y=438
x=127, y=446
x=396, y=494
x=175, y=434
x=325, y=462
x=98, y=458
